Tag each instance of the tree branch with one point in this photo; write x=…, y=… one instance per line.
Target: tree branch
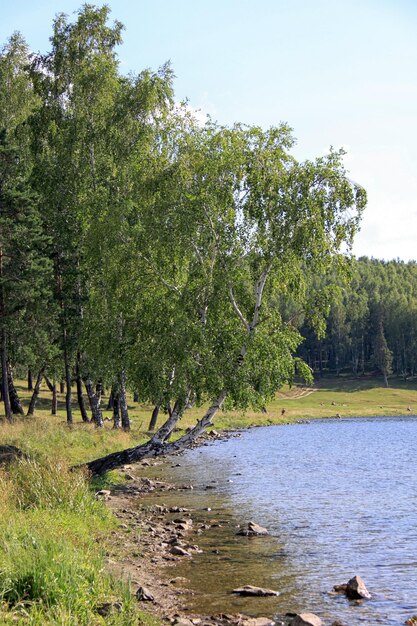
x=161, y=278
x=236, y=308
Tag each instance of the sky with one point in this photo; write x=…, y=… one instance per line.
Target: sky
x=341, y=73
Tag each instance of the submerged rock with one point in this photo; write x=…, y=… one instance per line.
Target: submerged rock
x=306, y=619
x=250, y=590
x=253, y=530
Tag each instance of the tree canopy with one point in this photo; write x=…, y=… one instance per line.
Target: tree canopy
x=173, y=248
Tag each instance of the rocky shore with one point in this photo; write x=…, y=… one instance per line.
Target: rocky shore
x=151, y=538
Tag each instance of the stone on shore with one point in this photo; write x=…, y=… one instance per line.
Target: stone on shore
x=258, y=621
x=183, y=621
x=253, y=530
x=178, y=551
x=144, y=595
x=103, y=494
x=306, y=619
x=250, y=590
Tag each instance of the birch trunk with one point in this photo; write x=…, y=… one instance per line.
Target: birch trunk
x=54, y=406
x=80, y=398
x=15, y=403
x=94, y=401
x=154, y=417
x=110, y=403
x=30, y=381
x=35, y=393
x=159, y=444
x=116, y=411
x=123, y=402
x=153, y=449
x=4, y=368
x=5, y=379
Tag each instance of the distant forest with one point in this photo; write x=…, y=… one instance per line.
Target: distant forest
x=371, y=326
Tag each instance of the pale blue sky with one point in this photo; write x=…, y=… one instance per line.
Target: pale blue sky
x=340, y=72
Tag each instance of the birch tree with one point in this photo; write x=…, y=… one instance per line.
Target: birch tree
x=242, y=220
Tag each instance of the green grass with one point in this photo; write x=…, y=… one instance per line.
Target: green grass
x=52, y=561
x=53, y=532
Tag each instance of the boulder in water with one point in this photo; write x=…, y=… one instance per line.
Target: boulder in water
x=354, y=589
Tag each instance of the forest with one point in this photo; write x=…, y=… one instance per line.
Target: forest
x=186, y=262
x=371, y=325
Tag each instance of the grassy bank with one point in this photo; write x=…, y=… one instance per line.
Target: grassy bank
x=53, y=531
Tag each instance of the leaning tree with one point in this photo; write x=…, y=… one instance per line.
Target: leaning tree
x=224, y=229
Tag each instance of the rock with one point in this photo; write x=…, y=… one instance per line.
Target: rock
x=253, y=530
x=257, y=621
x=250, y=590
x=9, y=454
x=306, y=619
x=338, y=623
x=103, y=494
x=179, y=580
x=183, y=621
x=180, y=520
x=143, y=595
x=109, y=607
x=355, y=589
x=412, y=621
x=178, y=551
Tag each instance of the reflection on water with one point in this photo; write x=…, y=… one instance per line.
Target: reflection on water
x=338, y=497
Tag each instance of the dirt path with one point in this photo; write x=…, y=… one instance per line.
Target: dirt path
x=296, y=393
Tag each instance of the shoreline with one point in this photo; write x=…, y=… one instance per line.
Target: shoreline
x=145, y=544
x=153, y=537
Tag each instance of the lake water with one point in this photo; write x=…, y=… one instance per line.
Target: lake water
x=339, y=498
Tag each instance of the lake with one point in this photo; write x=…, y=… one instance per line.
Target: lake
x=338, y=498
